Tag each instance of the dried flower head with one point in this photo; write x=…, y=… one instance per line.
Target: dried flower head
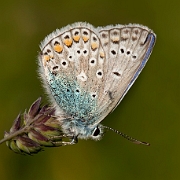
x=34, y=130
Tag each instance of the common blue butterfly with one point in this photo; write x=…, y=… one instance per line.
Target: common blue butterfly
x=87, y=71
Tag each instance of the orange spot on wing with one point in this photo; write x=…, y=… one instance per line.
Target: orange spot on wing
x=94, y=45
x=58, y=48
x=76, y=38
x=101, y=54
x=47, y=58
x=85, y=38
x=68, y=42
x=115, y=39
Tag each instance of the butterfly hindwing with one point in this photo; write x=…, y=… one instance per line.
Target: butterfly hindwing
x=72, y=66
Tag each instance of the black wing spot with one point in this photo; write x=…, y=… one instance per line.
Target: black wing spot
x=63, y=63
x=85, y=33
x=55, y=67
x=113, y=52
x=66, y=37
x=110, y=95
x=85, y=51
x=115, y=33
x=93, y=95
x=77, y=90
x=134, y=57
x=122, y=51
x=92, y=61
x=128, y=52
x=94, y=39
x=104, y=35
x=116, y=73
x=99, y=73
x=76, y=33
x=56, y=42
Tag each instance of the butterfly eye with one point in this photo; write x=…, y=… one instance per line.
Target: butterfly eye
x=96, y=131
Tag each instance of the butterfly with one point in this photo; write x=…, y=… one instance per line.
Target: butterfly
x=87, y=71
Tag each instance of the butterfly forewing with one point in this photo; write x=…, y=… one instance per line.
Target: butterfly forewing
x=127, y=49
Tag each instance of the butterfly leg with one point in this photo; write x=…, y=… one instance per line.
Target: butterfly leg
x=58, y=140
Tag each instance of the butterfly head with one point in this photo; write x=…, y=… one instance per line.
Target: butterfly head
x=97, y=132
x=81, y=130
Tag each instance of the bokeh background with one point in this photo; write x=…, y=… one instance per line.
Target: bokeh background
x=149, y=112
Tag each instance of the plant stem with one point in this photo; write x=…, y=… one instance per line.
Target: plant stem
x=10, y=136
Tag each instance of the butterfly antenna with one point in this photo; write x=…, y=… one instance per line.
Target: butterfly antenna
x=127, y=137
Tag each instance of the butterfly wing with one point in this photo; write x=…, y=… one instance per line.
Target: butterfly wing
x=127, y=49
x=87, y=71
x=71, y=66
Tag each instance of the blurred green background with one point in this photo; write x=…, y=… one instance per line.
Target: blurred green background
x=149, y=112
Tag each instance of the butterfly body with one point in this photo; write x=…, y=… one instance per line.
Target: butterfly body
x=87, y=71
